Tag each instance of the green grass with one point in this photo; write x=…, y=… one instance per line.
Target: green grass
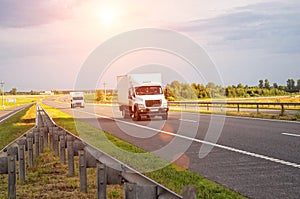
x=170, y=175
x=16, y=125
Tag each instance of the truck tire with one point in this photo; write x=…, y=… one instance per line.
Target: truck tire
x=136, y=115
x=125, y=114
x=165, y=116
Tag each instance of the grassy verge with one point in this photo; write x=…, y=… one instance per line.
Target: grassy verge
x=48, y=179
x=172, y=176
x=16, y=125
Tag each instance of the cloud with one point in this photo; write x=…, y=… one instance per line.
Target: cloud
x=272, y=26
x=16, y=13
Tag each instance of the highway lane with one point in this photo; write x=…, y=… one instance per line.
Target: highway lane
x=257, y=158
x=5, y=114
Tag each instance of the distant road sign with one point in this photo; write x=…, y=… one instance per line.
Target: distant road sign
x=11, y=100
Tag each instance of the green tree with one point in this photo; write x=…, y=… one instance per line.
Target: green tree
x=267, y=84
x=298, y=85
x=290, y=85
x=13, y=91
x=240, y=85
x=169, y=93
x=100, y=95
x=261, y=83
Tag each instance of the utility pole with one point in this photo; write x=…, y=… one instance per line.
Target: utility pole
x=104, y=84
x=2, y=84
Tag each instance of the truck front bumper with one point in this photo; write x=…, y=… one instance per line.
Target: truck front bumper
x=153, y=111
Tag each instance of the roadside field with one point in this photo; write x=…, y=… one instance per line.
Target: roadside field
x=16, y=125
x=17, y=100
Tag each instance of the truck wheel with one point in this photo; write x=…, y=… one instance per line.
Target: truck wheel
x=165, y=116
x=136, y=115
x=125, y=114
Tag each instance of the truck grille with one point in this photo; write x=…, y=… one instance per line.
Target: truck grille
x=153, y=103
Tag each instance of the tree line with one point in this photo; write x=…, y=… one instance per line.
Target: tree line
x=185, y=91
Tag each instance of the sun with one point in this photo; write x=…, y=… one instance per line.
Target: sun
x=108, y=15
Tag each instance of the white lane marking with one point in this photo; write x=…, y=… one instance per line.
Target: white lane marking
x=283, y=162
x=12, y=114
x=186, y=120
x=291, y=134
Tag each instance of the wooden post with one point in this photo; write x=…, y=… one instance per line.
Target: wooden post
x=22, y=165
x=101, y=181
x=62, y=149
x=36, y=143
x=29, y=139
x=82, y=171
x=282, y=109
x=189, y=192
x=46, y=136
x=51, y=131
x=11, y=154
x=71, y=168
x=55, y=143
x=41, y=140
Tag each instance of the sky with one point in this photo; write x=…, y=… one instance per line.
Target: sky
x=45, y=43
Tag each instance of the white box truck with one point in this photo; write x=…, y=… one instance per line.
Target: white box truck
x=77, y=99
x=141, y=95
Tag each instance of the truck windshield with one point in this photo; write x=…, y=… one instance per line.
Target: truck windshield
x=77, y=98
x=148, y=90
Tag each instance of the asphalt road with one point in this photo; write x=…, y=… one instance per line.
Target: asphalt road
x=257, y=158
x=5, y=114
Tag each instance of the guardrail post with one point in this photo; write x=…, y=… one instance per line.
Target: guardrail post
x=257, y=108
x=238, y=106
x=11, y=154
x=41, y=140
x=101, y=181
x=55, y=142
x=189, y=192
x=71, y=168
x=45, y=136
x=62, y=149
x=51, y=130
x=282, y=109
x=36, y=143
x=29, y=139
x=22, y=165
x=82, y=171
x=207, y=106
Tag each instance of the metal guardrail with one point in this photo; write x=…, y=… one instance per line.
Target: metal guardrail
x=239, y=105
x=109, y=170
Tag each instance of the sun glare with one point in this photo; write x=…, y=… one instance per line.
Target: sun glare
x=108, y=16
